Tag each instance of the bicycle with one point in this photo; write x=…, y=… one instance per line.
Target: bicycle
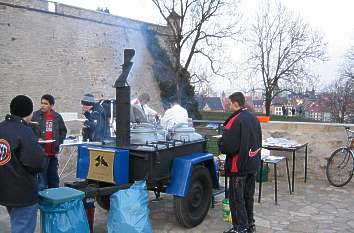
x=340, y=166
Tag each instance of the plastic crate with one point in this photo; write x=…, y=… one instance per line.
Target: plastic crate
x=264, y=175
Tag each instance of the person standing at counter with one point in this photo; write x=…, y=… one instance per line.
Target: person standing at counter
x=50, y=128
x=21, y=158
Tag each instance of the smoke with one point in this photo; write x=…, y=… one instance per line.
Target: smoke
x=165, y=75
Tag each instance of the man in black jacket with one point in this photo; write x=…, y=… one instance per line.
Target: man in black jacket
x=51, y=129
x=241, y=142
x=21, y=158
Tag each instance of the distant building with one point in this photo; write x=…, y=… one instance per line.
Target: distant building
x=258, y=106
x=249, y=102
x=315, y=109
x=277, y=106
x=210, y=104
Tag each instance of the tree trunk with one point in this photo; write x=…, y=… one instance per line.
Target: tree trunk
x=268, y=102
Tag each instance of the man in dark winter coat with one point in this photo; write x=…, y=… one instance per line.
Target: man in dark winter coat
x=96, y=127
x=51, y=131
x=241, y=142
x=21, y=158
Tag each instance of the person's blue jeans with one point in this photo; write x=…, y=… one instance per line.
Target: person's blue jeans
x=23, y=219
x=49, y=178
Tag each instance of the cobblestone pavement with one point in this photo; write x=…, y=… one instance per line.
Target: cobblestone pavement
x=314, y=207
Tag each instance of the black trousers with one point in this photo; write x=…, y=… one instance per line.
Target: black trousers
x=241, y=200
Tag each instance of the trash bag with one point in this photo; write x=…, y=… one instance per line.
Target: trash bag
x=129, y=211
x=67, y=217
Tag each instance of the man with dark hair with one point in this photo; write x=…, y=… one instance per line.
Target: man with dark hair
x=96, y=127
x=241, y=141
x=51, y=131
x=21, y=158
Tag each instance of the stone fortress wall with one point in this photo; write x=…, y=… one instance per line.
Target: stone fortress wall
x=48, y=47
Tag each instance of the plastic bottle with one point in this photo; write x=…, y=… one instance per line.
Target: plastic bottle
x=226, y=210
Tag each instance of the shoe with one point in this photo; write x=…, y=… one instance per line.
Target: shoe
x=251, y=229
x=233, y=230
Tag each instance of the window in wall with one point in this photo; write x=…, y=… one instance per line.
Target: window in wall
x=278, y=111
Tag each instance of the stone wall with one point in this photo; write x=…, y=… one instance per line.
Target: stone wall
x=323, y=139
x=67, y=51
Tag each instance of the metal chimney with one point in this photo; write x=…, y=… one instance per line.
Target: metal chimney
x=123, y=102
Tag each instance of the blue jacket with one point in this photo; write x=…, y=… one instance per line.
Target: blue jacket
x=21, y=157
x=96, y=124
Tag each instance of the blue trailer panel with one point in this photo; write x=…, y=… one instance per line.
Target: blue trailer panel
x=182, y=171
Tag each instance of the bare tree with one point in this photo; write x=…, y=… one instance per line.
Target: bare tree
x=340, y=98
x=348, y=67
x=281, y=47
x=198, y=28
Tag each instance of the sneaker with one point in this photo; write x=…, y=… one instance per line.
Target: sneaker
x=233, y=230
x=251, y=228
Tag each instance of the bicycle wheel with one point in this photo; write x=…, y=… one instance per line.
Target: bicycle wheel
x=340, y=167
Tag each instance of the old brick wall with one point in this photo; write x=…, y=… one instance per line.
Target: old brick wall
x=69, y=51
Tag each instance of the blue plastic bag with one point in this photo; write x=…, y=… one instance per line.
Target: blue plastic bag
x=129, y=211
x=67, y=217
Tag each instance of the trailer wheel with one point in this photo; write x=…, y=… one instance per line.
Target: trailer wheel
x=191, y=210
x=103, y=201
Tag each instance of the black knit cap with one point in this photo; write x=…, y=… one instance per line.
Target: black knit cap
x=21, y=106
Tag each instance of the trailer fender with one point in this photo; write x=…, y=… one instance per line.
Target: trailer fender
x=182, y=170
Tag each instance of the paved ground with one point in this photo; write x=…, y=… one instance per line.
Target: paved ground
x=314, y=207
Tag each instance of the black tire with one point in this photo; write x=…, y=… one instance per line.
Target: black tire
x=103, y=201
x=191, y=210
x=340, y=167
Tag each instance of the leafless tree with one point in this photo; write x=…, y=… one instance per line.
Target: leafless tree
x=339, y=98
x=282, y=46
x=348, y=67
x=198, y=28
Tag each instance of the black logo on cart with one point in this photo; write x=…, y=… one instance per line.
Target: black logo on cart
x=100, y=161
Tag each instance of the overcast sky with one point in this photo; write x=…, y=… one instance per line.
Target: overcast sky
x=334, y=18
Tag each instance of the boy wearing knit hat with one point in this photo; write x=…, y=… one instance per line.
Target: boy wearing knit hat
x=96, y=127
x=21, y=158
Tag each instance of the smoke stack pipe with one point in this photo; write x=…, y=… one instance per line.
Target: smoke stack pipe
x=123, y=102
